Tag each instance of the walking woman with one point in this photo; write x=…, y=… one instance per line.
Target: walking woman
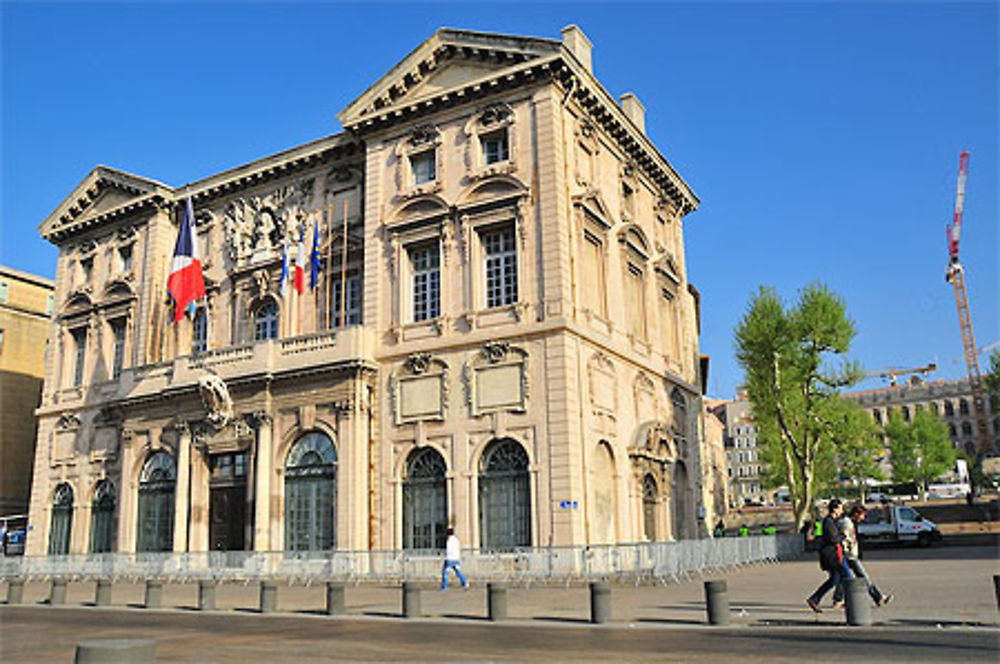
x=831, y=554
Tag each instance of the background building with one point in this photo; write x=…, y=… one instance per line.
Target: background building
x=742, y=457
x=26, y=303
x=502, y=338
x=715, y=466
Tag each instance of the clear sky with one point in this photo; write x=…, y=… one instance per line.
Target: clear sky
x=822, y=139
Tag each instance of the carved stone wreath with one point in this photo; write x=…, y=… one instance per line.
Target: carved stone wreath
x=495, y=351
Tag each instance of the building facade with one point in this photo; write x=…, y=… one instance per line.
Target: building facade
x=502, y=337
x=952, y=400
x=743, y=462
x=26, y=302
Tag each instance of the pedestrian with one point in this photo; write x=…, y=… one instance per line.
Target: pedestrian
x=744, y=531
x=452, y=560
x=831, y=554
x=720, y=529
x=852, y=556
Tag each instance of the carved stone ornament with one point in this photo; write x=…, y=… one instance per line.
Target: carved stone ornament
x=127, y=233
x=494, y=114
x=418, y=363
x=261, y=283
x=257, y=225
x=68, y=421
x=87, y=247
x=422, y=134
x=495, y=351
x=203, y=218
x=216, y=400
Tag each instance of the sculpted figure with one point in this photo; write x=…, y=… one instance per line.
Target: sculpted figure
x=215, y=397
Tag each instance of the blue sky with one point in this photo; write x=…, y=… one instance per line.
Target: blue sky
x=822, y=139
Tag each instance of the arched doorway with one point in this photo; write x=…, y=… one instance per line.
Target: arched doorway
x=425, y=501
x=650, y=495
x=311, y=494
x=504, y=496
x=62, y=520
x=102, y=519
x=157, y=484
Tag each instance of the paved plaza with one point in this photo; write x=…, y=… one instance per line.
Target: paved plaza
x=944, y=609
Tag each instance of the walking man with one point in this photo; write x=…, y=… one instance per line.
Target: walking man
x=831, y=554
x=452, y=560
x=852, y=556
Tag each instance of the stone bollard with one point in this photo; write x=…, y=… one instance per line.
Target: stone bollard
x=15, y=591
x=116, y=651
x=859, y=611
x=206, y=595
x=268, y=596
x=102, y=594
x=57, y=594
x=335, y=599
x=496, y=601
x=411, y=600
x=600, y=602
x=717, y=602
x=996, y=588
x=154, y=593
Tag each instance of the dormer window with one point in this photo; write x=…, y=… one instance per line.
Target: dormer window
x=495, y=147
x=423, y=165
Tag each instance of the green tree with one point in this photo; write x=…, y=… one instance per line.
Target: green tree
x=858, y=441
x=921, y=449
x=992, y=378
x=786, y=356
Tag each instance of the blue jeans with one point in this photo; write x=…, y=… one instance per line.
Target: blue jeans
x=859, y=571
x=452, y=564
x=836, y=578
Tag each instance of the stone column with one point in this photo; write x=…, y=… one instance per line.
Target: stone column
x=183, y=486
x=130, y=443
x=262, y=422
x=198, y=527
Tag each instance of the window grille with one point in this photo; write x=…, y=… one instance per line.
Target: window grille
x=426, y=282
x=425, y=501
x=500, y=266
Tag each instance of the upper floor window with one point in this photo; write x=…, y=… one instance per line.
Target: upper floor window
x=426, y=261
x=635, y=302
x=86, y=269
x=500, y=266
x=423, y=165
x=628, y=200
x=4, y=292
x=966, y=429
x=80, y=346
x=199, y=333
x=949, y=409
x=593, y=273
x=495, y=147
x=963, y=407
x=265, y=321
x=125, y=259
x=906, y=414
x=118, y=352
x=50, y=304
x=352, y=308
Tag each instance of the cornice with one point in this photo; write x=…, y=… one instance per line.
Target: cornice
x=151, y=201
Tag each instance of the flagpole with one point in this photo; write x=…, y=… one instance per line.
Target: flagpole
x=329, y=265
x=343, y=271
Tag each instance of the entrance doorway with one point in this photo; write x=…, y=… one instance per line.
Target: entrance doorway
x=227, y=502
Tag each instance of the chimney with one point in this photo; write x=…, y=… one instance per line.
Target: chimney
x=578, y=45
x=634, y=109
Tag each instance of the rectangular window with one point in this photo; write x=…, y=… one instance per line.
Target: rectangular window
x=592, y=280
x=4, y=292
x=50, y=304
x=495, y=148
x=636, y=303
x=628, y=200
x=199, y=333
x=425, y=262
x=125, y=259
x=86, y=269
x=118, y=354
x=668, y=321
x=352, y=310
x=500, y=266
x=80, y=342
x=424, y=167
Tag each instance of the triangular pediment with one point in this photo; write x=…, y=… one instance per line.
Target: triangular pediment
x=449, y=59
x=103, y=189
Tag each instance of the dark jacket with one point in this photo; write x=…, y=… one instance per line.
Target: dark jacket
x=830, y=551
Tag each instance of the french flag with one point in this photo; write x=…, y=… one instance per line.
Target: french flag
x=186, y=283
x=299, y=281
x=284, y=270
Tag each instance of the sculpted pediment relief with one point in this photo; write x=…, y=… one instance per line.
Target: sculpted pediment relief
x=256, y=226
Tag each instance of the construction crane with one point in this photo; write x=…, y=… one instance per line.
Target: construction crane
x=892, y=372
x=955, y=275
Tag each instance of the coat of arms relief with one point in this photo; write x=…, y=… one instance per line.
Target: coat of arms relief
x=256, y=226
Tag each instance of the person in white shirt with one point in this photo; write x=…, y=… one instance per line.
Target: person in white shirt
x=452, y=560
x=852, y=558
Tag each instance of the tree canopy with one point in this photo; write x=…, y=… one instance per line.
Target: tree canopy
x=921, y=448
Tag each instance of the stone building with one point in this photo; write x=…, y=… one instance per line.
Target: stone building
x=950, y=399
x=715, y=480
x=502, y=337
x=26, y=303
x=742, y=456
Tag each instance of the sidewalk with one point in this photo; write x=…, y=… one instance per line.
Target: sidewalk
x=945, y=586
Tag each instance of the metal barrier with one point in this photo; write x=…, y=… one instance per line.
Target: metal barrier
x=665, y=561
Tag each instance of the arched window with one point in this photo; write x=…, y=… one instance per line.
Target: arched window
x=949, y=409
x=504, y=496
x=678, y=492
x=425, y=501
x=963, y=407
x=199, y=331
x=649, y=496
x=265, y=321
x=311, y=494
x=62, y=520
x=157, y=484
x=102, y=519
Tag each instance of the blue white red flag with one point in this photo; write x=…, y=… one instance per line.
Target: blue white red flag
x=283, y=282
x=314, y=256
x=186, y=283
x=298, y=282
